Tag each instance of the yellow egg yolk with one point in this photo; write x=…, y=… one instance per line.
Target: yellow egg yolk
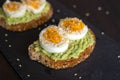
x=73, y=24
x=52, y=35
x=12, y=6
x=33, y=3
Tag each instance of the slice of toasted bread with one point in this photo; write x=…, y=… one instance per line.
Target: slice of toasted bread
x=61, y=64
x=32, y=24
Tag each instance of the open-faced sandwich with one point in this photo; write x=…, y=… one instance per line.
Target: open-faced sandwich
x=24, y=15
x=63, y=46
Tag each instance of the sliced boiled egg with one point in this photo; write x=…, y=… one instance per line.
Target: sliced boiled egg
x=74, y=28
x=35, y=6
x=14, y=9
x=53, y=39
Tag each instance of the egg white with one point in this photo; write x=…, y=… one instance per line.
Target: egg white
x=78, y=35
x=41, y=7
x=18, y=13
x=51, y=47
x=74, y=35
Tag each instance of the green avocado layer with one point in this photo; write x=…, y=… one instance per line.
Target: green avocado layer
x=29, y=16
x=73, y=51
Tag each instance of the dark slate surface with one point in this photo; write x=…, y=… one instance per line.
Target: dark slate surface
x=103, y=64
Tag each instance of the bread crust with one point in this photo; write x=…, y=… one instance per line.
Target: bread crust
x=60, y=64
x=26, y=26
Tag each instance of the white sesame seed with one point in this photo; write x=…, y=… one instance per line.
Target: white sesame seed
x=99, y=8
x=75, y=74
x=28, y=75
x=9, y=46
x=6, y=40
x=58, y=10
x=80, y=77
x=87, y=14
x=18, y=59
x=102, y=33
x=74, y=6
x=53, y=20
x=39, y=28
x=45, y=25
x=20, y=65
x=119, y=57
x=6, y=35
x=107, y=12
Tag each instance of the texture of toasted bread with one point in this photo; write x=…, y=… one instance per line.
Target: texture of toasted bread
x=60, y=64
x=32, y=24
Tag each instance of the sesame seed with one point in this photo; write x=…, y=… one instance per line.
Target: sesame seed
x=80, y=77
x=74, y=6
x=28, y=75
x=107, y=12
x=99, y=8
x=58, y=10
x=20, y=65
x=87, y=14
x=9, y=46
x=6, y=35
x=102, y=33
x=119, y=57
x=39, y=28
x=6, y=40
x=53, y=20
x=18, y=59
x=45, y=25
x=75, y=74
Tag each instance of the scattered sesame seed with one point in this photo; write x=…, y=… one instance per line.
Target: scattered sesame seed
x=107, y=12
x=99, y=8
x=20, y=65
x=58, y=10
x=75, y=74
x=45, y=25
x=6, y=40
x=9, y=46
x=80, y=77
x=119, y=57
x=87, y=14
x=6, y=35
x=28, y=75
x=39, y=28
x=18, y=59
x=74, y=6
x=53, y=20
x=102, y=33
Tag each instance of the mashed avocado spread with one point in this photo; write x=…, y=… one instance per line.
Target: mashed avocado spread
x=24, y=19
x=73, y=51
